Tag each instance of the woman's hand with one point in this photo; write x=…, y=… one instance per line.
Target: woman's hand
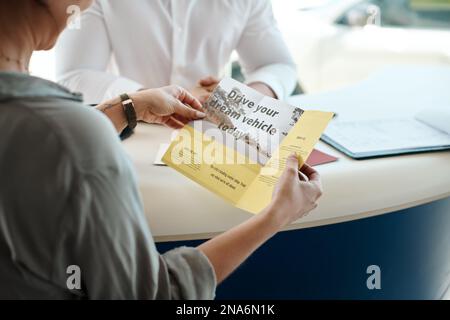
x=294, y=196
x=296, y=193
x=172, y=106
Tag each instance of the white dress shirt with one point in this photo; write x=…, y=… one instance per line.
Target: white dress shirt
x=154, y=43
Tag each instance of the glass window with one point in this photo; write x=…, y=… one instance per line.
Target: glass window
x=422, y=14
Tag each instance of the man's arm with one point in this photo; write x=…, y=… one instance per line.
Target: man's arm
x=267, y=64
x=82, y=58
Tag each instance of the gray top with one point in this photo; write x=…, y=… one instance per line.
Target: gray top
x=69, y=200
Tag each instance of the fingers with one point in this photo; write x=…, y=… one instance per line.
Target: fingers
x=306, y=174
x=187, y=105
x=187, y=98
x=208, y=81
x=174, y=123
x=312, y=174
x=302, y=177
x=187, y=112
x=290, y=173
x=203, y=98
x=292, y=163
x=180, y=118
x=314, y=180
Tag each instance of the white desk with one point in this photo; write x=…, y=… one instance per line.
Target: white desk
x=179, y=209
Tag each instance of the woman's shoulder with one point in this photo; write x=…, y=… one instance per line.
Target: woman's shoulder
x=87, y=133
x=51, y=117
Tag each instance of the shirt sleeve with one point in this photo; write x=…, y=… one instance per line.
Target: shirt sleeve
x=83, y=56
x=109, y=239
x=263, y=52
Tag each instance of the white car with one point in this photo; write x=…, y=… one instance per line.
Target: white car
x=340, y=42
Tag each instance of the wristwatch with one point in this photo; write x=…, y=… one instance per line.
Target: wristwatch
x=130, y=111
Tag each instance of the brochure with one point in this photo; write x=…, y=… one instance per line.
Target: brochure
x=239, y=150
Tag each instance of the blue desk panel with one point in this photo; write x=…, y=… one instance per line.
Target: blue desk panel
x=412, y=248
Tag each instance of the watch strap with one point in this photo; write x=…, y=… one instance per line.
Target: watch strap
x=129, y=110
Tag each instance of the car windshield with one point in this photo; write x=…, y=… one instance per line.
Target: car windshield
x=421, y=14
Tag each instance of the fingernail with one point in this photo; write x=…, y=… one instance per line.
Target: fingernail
x=200, y=114
x=293, y=156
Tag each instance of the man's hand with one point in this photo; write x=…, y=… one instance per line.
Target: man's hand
x=263, y=88
x=204, y=88
x=207, y=85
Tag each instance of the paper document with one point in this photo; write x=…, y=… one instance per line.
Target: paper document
x=240, y=149
x=380, y=136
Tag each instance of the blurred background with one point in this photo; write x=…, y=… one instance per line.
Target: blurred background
x=340, y=42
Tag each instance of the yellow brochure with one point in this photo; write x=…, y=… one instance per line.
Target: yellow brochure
x=240, y=149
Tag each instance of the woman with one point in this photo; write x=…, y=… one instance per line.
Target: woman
x=68, y=195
